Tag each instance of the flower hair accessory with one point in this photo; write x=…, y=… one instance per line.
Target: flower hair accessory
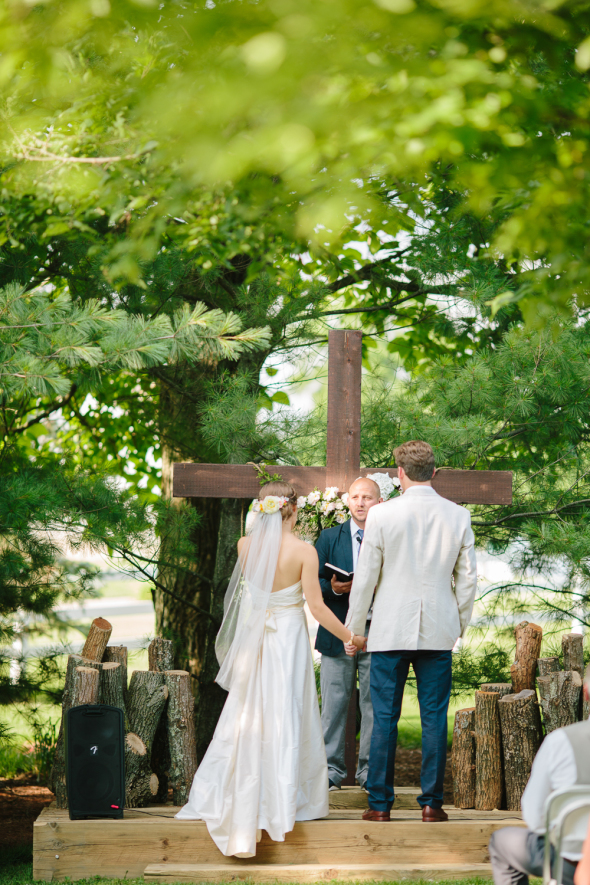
x=270, y=504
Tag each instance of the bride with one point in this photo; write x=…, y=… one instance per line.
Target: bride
x=266, y=765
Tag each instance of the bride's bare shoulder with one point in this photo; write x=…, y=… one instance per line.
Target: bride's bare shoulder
x=304, y=549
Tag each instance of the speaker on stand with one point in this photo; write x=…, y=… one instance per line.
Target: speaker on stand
x=95, y=761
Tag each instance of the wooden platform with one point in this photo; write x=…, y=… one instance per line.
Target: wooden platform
x=342, y=846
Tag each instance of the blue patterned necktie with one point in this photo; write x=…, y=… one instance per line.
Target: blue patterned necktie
x=359, y=536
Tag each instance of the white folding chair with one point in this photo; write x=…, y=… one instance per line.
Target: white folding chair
x=571, y=828
x=556, y=803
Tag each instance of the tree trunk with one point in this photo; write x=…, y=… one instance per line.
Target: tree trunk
x=488, y=752
x=146, y=698
x=463, y=758
x=117, y=654
x=58, y=772
x=521, y=738
x=161, y=658
x=97, y=639
x=111, y=685
x=501, y=688
x=548, y=665
x=560, y=698
x=572, y=645
x=160, y=655
x=181, y=734
x=528, y=647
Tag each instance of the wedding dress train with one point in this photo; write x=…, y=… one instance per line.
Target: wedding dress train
x=266, y=765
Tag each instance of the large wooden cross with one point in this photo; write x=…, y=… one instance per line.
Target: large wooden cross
x=342, y=467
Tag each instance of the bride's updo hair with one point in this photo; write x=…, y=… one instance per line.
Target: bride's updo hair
x=281, y=490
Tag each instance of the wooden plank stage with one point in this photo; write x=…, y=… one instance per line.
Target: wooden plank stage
x=149, y=841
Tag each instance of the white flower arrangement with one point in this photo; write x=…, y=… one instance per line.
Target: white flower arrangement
x=321, y=510
x=388, y=485
x=270, y=504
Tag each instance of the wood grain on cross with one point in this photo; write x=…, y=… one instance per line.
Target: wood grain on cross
x=342, y=467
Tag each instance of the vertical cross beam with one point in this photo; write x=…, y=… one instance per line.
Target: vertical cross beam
x=343, y=453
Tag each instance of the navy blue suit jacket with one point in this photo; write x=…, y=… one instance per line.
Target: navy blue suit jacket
x=334, y=546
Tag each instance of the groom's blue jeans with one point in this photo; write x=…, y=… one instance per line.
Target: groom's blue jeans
x=389, y=671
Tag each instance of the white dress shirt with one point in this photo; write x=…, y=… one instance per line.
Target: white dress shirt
x=356, y=549
x=554, y=768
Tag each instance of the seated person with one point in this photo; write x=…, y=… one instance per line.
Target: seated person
x=563, y=761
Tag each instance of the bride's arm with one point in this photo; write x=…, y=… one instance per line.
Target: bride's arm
x=313, y=595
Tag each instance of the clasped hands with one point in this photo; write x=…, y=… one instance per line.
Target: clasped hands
x=357, y=643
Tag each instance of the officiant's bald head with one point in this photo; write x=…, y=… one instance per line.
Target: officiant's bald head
x=362, y=495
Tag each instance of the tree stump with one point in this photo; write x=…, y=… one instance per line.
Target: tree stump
x=181, y=734
x=572, y=645
x=146, y=698
x=97, y=639
x=160, y=659
x=463, y=758
x=560, y=698
x=501, y=688
x=160, y=655
x=111, y=685
x=488, y=752
x=528, y=647
x=521, y=738
x=117, y=654
x=86, y=686
x=58, y=772
x=548, y=665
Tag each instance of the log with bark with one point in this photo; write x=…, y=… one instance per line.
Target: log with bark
x=521, y=738
x=501, y=688
x=160, y=659
x=489, y=785
x=528, y=647
x=117, y=654
x=86, y=686
x=97, y=639
x=146, y=699
x=181, y=734
x=548, y=665
x=560, y=698
x=572, y=645
x=160, y=655
x=111, y=685
x=463, y=758
x=58, y=772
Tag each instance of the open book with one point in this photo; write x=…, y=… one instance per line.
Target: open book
x=339, y=573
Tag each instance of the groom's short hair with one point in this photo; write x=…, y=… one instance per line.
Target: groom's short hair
x=417, y=459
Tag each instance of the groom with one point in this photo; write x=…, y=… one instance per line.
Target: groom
x=418, y=550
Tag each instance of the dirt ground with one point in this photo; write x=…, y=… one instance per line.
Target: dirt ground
x=21, y=802
x=21, y=799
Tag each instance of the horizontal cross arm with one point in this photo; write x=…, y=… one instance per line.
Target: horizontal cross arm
x=241, y=481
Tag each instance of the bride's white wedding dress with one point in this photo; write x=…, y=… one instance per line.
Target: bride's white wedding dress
x=266, y=765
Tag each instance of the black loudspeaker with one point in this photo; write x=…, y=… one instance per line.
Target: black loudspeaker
x=95, y=761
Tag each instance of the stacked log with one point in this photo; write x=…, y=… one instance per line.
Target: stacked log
x=528, y=647
x=521, y=738
x=181, y=734
x=547, y=666
x=463, y=758
x=103, y=679
x=560, y=694
x=161, y=659
x=489, y=781
x=572, y=646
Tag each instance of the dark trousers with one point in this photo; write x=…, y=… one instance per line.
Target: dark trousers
x=389, y=671
x=517, y=853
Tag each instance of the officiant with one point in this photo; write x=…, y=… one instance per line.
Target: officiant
x=340, y=546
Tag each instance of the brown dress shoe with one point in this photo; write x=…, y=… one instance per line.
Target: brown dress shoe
x=432, y=815
x=371, y=814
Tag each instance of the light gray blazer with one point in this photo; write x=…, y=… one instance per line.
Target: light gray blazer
x=413, y=547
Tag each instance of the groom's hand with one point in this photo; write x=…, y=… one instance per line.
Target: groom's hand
x=350, y=649
x=340, y=586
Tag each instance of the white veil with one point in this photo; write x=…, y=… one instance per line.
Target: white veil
x=246, y=600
